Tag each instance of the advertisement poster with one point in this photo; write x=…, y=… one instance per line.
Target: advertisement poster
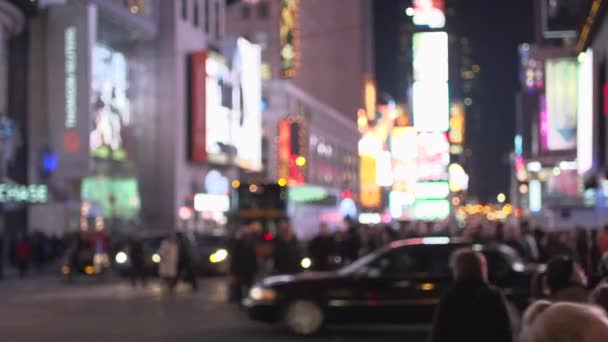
x=433, y=157
x=561, y=100
x=111, y=105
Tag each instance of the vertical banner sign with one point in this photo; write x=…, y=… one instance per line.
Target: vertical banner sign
x=289, y=38
x=71, y=36
x=197, y=134
x=371, y=195
x=562, y=102
x=284, y=148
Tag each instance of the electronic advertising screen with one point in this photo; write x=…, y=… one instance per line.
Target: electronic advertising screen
x=559, y=120
x=112, y=116
x=433, y=157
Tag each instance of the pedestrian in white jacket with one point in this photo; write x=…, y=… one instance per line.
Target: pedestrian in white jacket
x=168, y=268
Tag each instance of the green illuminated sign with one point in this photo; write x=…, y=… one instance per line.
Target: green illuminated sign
x=307, y=194
x=15, y=193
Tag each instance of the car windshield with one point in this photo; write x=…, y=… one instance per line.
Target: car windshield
x=361, y=262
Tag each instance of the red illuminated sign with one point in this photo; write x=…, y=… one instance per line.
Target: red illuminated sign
x=197, y=134
x=71, y=142
x=290, y=135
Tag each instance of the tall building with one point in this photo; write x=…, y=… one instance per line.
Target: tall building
x=117, y=117
x=317, y=58
x=545, y=183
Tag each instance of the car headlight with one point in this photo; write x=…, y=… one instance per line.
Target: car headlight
x=261, y=294
x=219, y=256
x=121, y=257
x=306, y=263
x=156, y=258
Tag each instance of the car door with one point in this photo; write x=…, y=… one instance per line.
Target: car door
x=389, y=286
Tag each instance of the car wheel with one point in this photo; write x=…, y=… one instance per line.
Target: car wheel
x=304, y=317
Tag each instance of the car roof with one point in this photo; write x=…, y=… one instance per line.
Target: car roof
x=430, y=240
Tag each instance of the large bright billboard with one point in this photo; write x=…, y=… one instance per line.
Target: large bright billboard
x=431, y=61
x=431, y=102
x=432, y=210
x=584, y=146
x=561, y=104
x=247, y=114
x=433, y=157
x=371, y=195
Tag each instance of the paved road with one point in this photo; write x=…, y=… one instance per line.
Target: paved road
x=45, y=309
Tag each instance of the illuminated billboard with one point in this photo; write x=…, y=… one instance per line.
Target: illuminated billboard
x=431, y=63
x=371, y=196
x=431, y=210
x=401, y=204
x=536, y=196
x=584, y=148
x=292, y=150
x=404, y=143
x=457, y=123
x=218, y=102
x=433, y=157
x=289, y=37
x=432, y=190
x=116, y=196
x=384, y=169
x=247, y=113
x=429, y=13
x=431, y=102
x=561, y=104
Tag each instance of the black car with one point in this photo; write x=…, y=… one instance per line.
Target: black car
x=400, y=283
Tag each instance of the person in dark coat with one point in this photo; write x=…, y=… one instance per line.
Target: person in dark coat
x=244, y=265
x=287, y=256
x=321, y=248
x=184, y=263
x=566, y=280
x=136, y=255
x=471, y=310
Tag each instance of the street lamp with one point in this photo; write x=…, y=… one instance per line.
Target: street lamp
x=501, y=198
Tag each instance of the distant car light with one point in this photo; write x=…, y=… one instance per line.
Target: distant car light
x=306, y=263
x=262, y=295
x=219, y=256
x=121, y=258
x=89, y=270
x=427, y=287
x=65, y=269
x=155, y=258
x=519, y=267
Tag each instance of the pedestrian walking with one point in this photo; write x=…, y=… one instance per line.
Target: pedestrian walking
x=168, y=267
x=185, y=267
x=23, y=254
x=287, y=255
x=486, y=318
x=136, y=255
x=244, y=264
x=321, y=248
x=566, y=280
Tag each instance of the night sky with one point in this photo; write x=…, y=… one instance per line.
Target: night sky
x=495, y=28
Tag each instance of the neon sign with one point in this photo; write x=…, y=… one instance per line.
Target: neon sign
x=15, y=193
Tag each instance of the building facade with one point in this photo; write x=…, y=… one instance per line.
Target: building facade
x=110, y=97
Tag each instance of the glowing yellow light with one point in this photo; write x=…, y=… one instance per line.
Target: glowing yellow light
x=427, y=286
x=253, y=188
x=300, y=161
x=156, y=258
x=65, y=269
x=219, y=256
x=501, y=198
x=306, y=263
x=362, y=121
x=236, y=184
x=456, y=201
x=282, y=182
x=557, y=171
x=89, y=270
